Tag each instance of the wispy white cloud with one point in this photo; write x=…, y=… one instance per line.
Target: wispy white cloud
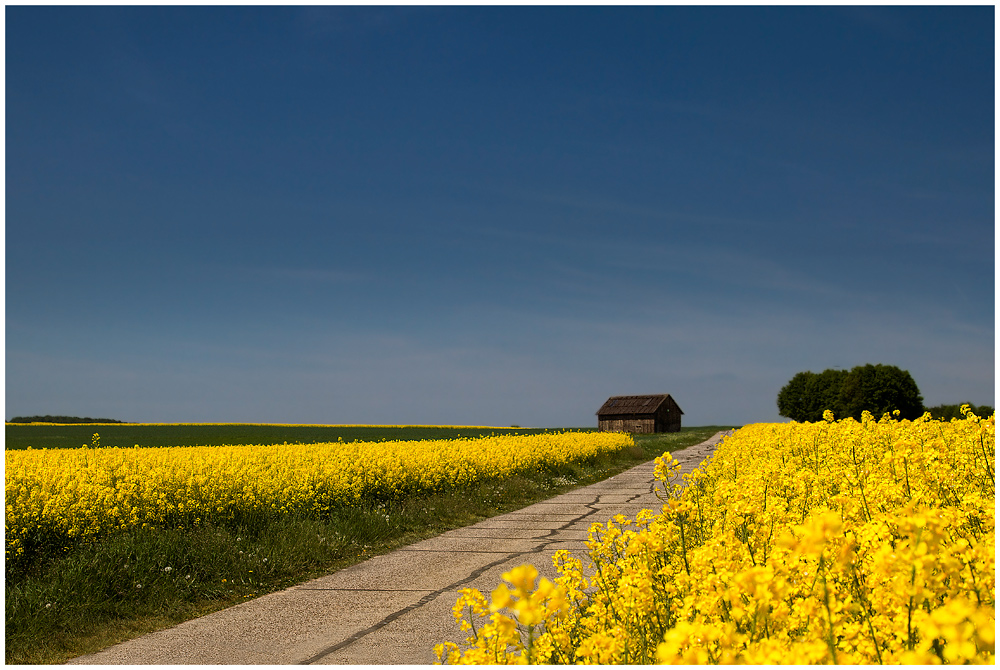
x=311, y=275
x=603, y=262
x=503, y=366
x=588, y=202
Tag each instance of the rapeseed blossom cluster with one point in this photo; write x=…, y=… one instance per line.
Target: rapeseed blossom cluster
x=58, y=496
x=838, y=541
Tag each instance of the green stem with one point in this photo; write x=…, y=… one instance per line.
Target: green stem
x=687, y=568
x=906, y=470
x=829, y=616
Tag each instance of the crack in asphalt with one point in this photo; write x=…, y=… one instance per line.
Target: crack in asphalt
x=594, y=506
x=552, y=536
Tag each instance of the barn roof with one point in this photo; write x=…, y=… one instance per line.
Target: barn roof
x=634, y=404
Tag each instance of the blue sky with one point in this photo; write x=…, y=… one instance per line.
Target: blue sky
x=492, y=215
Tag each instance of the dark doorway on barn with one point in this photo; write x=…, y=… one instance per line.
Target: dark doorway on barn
x=640, y=414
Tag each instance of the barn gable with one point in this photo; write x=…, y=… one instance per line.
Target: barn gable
x=640, y=414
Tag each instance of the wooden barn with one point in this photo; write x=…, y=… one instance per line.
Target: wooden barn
x=640, y=414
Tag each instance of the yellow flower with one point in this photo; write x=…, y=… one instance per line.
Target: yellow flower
x=855, y=542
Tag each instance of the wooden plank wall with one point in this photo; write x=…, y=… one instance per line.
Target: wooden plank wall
x=622, y=425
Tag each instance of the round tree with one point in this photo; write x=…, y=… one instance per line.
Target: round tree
x=880, y=389
x=793, y=398
x=808, y=394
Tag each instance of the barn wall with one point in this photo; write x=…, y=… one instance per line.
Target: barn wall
x=662, y=422
x=668, y=417
x=627, y=424
x=669, y=426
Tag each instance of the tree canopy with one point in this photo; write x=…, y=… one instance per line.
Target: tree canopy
x=949, y=412
x=48, y=418
x=808, y=394
x=875, y=388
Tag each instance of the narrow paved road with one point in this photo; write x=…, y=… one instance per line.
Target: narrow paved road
x=393, y=609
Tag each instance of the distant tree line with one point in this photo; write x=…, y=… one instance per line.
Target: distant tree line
x=48, y=418
x=949, y=412
x=875, y=388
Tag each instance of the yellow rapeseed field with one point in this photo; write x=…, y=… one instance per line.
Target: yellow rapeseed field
x=836, y=541
x=81, y=494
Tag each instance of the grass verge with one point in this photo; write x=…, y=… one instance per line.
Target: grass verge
x=149, y=579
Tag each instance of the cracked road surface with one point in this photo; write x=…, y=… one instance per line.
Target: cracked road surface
x=393, y=609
